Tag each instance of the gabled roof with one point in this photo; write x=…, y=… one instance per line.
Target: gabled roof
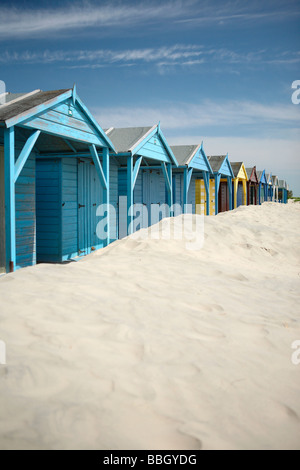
x=192, y=156
x=22, y=102
x=251, y=173
x=35, y=110
x=269, y=178
x=216, y=161
x=134, y=140
x=275, y=180
x=282, y=184
x=126, y=138
x=239, y=170
x=220, y=164
x=261, y=176
x=184, y=153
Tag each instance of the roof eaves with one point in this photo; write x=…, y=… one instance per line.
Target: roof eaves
x=20, y=98
x=136, y=146
x=193, y=154
x=37, y=109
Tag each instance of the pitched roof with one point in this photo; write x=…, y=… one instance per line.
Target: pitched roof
x=282, y=184
x=216, y=161
x=249, y=172
x=184, y=153
x=259, y=174
x=268, y=177
x=125, y=138
x=236, y=166
x=21, y=102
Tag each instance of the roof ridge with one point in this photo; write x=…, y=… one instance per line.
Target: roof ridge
x=142, y=138
x=20, y=98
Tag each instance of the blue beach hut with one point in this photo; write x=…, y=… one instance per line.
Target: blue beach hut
x=223, y=175
x=143, y=165
x=191, y=181
x=283, y=191
x=54, y=172
x=262, y=186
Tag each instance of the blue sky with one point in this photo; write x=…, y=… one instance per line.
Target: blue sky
x=215, y=71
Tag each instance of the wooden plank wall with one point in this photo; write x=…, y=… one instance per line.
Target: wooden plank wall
x=26, y=215
x=69, y=178
x=113, y=194
x=2, y=212
x=48, y=204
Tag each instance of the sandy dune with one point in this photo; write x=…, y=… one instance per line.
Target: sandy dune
x=148, y=345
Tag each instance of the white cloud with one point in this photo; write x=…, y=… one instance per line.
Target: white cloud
x=165, y=58
x=207, y=113
x=25, y=22
x=277, y=151
x=17, y=22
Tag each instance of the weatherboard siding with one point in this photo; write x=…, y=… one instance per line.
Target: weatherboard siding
x=26, y=215
x=57, y=120
x=48, y=211
x=113, y=195
x=2, y=212
x=154, y=149
x=69, y=204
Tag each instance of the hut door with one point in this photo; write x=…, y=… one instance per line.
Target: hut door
x=153, y=195
x=2, y=213
x=212, y=197
x=200, y=197
x=240, y=195
x=89, y=198
x=223, y=197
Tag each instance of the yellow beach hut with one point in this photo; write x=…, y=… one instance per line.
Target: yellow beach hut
x=239, y=184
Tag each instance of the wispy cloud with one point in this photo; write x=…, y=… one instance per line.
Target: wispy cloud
x=178, y=54
x=21, y=22
x=85, y=16
x=205, y=114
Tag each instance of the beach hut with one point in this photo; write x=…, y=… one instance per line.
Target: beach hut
x=54, y=161
x=262, y=187
x=223, y=176
x=269, y=189
x=192, y=186
x=275, y=183
x=239, y=184
x=252, y=186
x=144, y=171
x=283, y=191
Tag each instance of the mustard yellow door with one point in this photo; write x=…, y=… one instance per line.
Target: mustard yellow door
x=211, y=197
x=200, y=197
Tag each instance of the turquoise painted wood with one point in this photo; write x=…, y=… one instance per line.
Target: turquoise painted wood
x=2, y=213
x=68, y=194
x=90, y=196
x=69, y=208
x=26, y=215
x=10, y=208
x=48, y=211
x=113, y=195
x=40, y=202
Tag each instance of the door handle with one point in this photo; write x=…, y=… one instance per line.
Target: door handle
x=80, y=205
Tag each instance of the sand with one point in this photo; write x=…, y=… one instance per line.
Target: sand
x=149, y=345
